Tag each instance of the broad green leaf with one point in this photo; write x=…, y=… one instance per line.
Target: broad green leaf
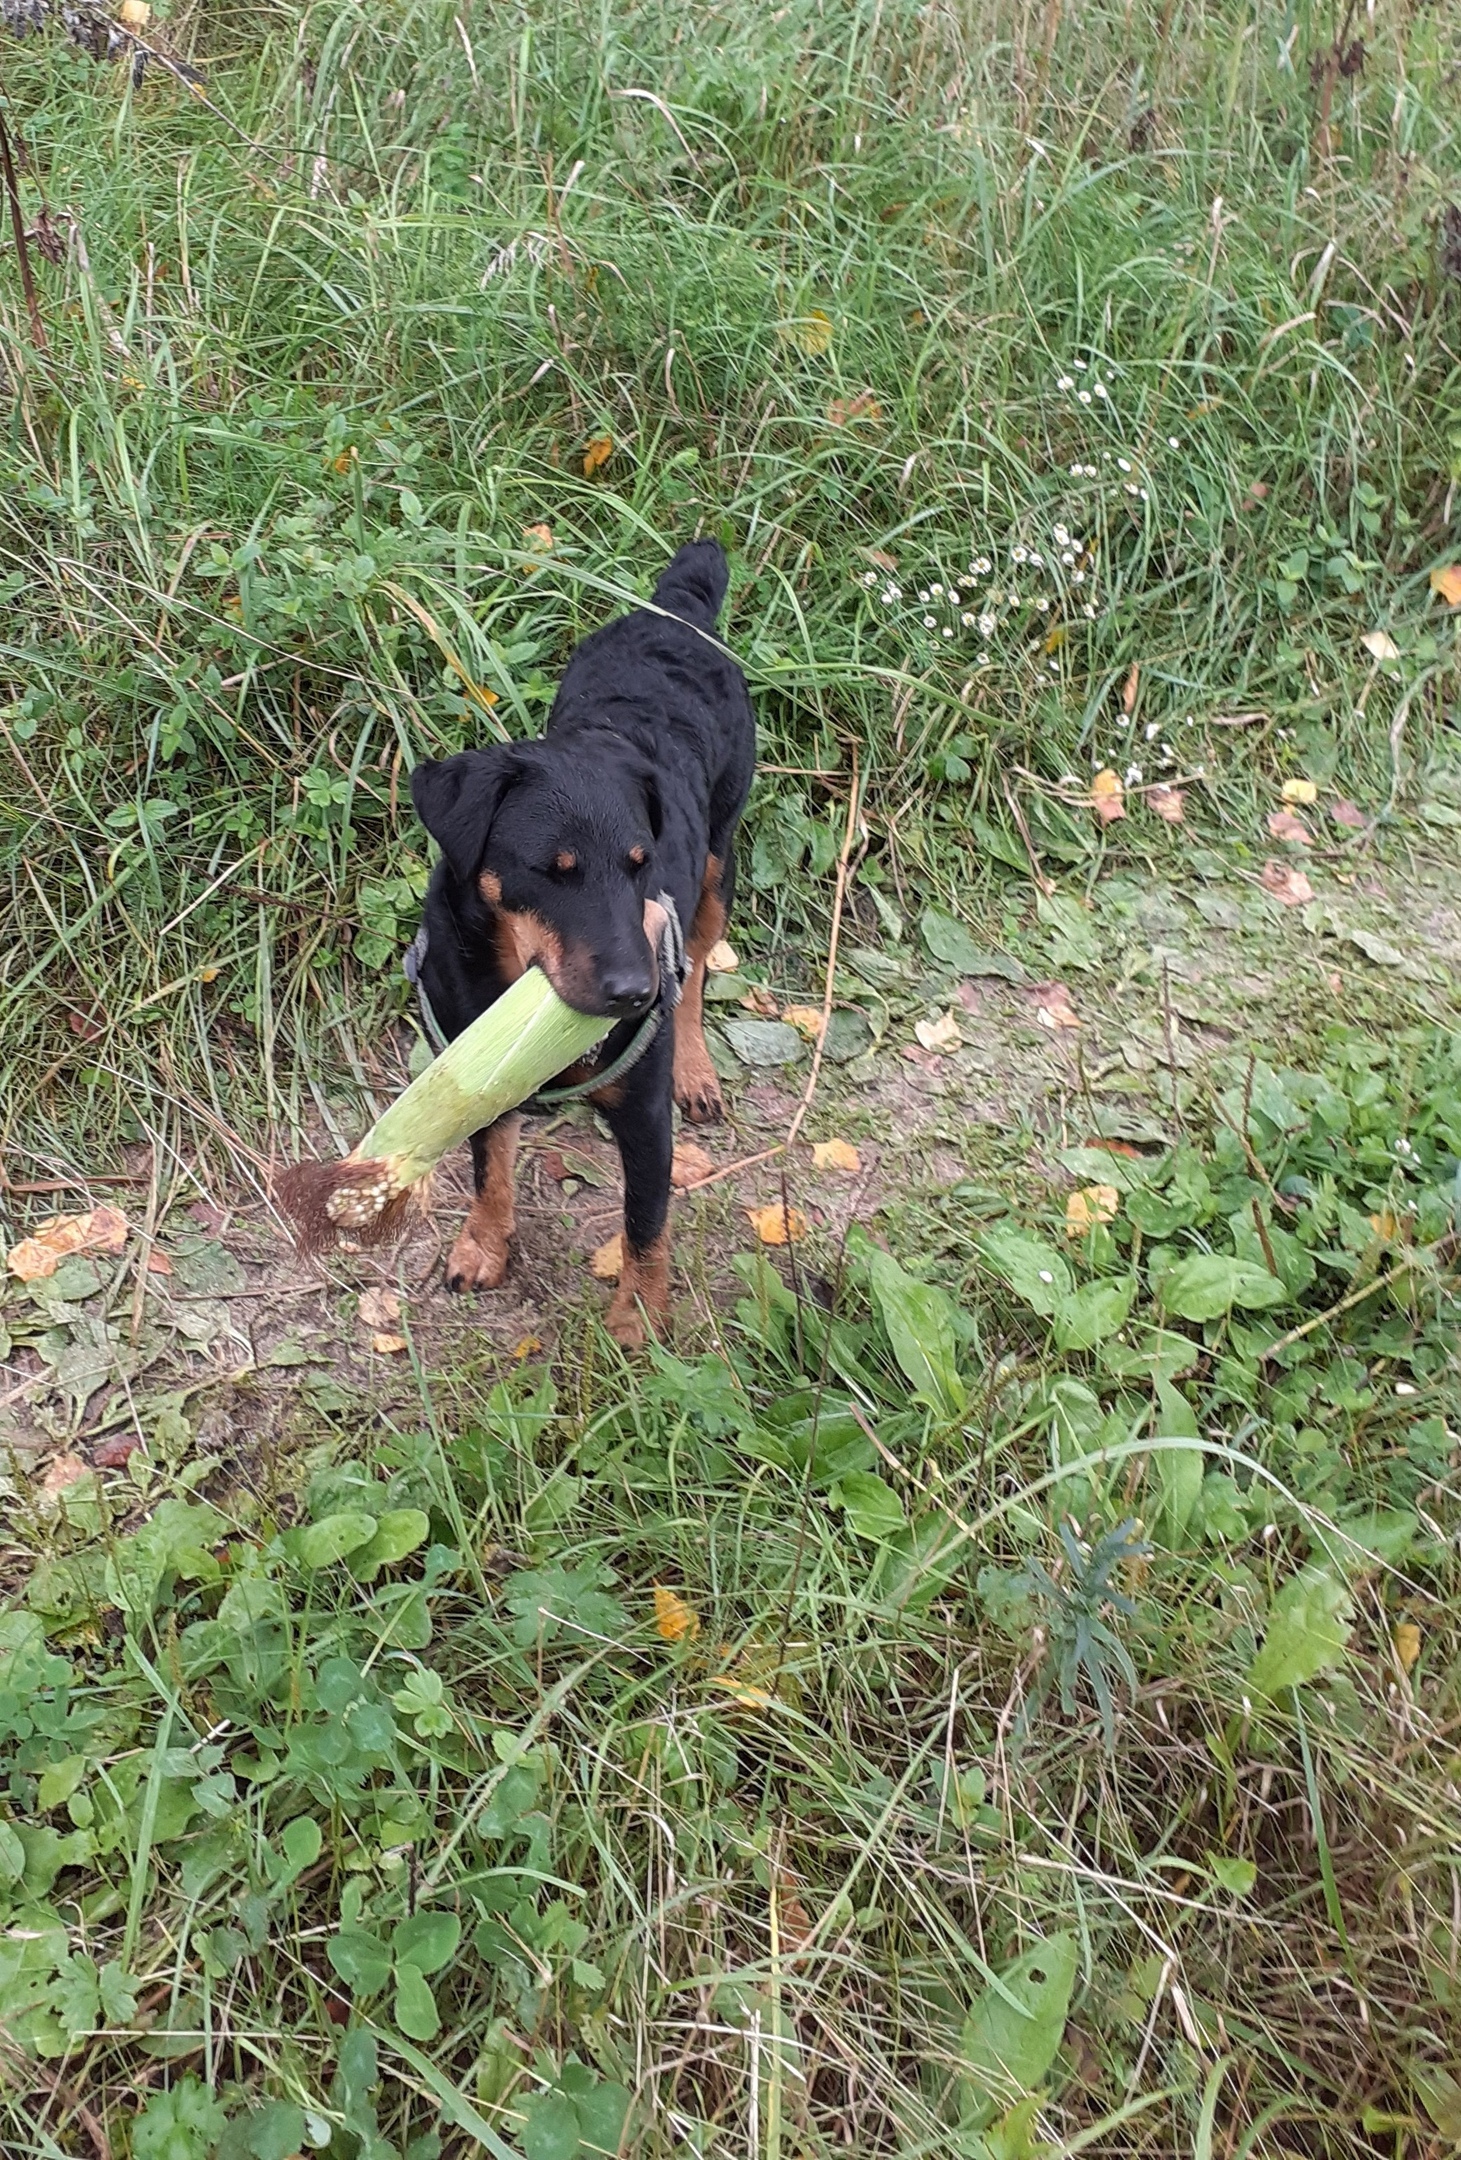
x=12, y=1854
x=1308, y=1628
x=919, y=1318
x=361, y=1959
x=764, y=1042
x=1034, y=1270
x=1204, y=1286
x=118, y=1994
x=948, y=940
x=870, y=1508
x=601, y=2109
x=59, y=1781
x=1178, y=1471
x=323, y=1543
x=550, y=2127
x=1074, y=941
x=1088, y=1315
x=848, y=1033
x=426, y=1940
x=302, y=1839
x=397, y=1532
x=1005, y=2050
x=416, y=2011
x=1156, y=1354
x=1232, y=1874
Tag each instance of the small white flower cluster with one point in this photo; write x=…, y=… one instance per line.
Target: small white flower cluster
x=952, y=607
x=1095, y=392
x=1162, y=750
x=890, y=595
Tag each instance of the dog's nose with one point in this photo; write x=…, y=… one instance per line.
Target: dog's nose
x=626, y=991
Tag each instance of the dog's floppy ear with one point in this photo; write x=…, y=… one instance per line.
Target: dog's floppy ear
x=457, y=798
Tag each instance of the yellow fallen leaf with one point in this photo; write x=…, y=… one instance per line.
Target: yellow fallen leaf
x=134, y=14
x=689, y=1164
x=1285, y=826
x=380, y=1308
x=1108, y=797
x=1407, y=1644
x=540, y=539
x=837, y=1155
x=1386, y=1225
x=1056, y=639
x=778, y=1224
x=598, y=453
x=842, y=412
x=100, y=1230
x=209, y=974
x=1298, y=794
x=608, y=1261
x=812, y=331
x=1128, y=694
x=742, y=1692
x=1170, y=803
x=674, y=1620
x=1286, y=883
x=940, y=1034
x=1447, y=583
x=527, y=1346
x=806, y=1019
x=1093, y=1204
x=722, y=959
x=1381, y=644
x=389, y=1345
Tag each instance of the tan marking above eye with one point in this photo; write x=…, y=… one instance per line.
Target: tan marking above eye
x=565, y=859
x=637, y=857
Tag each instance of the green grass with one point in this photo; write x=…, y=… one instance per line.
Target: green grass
x=297, y=1769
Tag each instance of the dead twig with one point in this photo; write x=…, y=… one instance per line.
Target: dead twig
x=22, y=244
x=844, y=861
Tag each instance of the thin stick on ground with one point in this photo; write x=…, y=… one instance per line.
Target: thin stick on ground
x=22, y=244
x=844, y=861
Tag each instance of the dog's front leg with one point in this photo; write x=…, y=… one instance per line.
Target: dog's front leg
x=640, y=1119
x=478, y=1260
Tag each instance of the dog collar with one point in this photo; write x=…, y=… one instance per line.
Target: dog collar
x=673, y=968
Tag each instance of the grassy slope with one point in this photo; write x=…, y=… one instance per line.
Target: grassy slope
x=295, y=382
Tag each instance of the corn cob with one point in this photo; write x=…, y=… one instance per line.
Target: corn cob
x=526, y=1037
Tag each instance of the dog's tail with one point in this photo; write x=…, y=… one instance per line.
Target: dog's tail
x=693, y=586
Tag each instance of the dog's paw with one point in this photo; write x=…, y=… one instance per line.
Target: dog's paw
x=475, y=1264
x=697, y=1088
x=630, y=1324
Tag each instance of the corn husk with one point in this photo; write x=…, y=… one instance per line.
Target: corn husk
x=526, y=1037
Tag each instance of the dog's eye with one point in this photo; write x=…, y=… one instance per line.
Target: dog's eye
x=564, y=861
x=637, y=858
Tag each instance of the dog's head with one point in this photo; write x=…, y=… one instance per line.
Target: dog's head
x=559, y=842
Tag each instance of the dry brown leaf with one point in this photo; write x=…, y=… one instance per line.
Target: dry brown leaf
x=674, y=1619
x=1093, y=1204
x=1286, y=883
x=843, y=412
x=758, y=999
x=607, y=1262
x=778, y=1224
x=1381, y=644
x=598, y=453
x=1299, y=794
x=1108, y=797
x=1116, y=1147
x=134, y=14
x=882, y=558
x=794, y=1922
x=1447, y=583
x=379, y=1308
x=1133, y=684
x=689, y=1164
x=1053, y=1008
x=1407, y=1645
x=389, y=1345
x=806, y=1019
x=837, y=1155
x=941, y=1034
x=116, y=1453
x=1256, y=494
x=100, y=1230
x=1285, y=826
x=158, y=1262
x=61, y=1472
x=1170, y=804
x=1348, y=814
x=722, y=959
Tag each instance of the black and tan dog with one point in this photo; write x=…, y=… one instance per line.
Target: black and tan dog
x=558, y=853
